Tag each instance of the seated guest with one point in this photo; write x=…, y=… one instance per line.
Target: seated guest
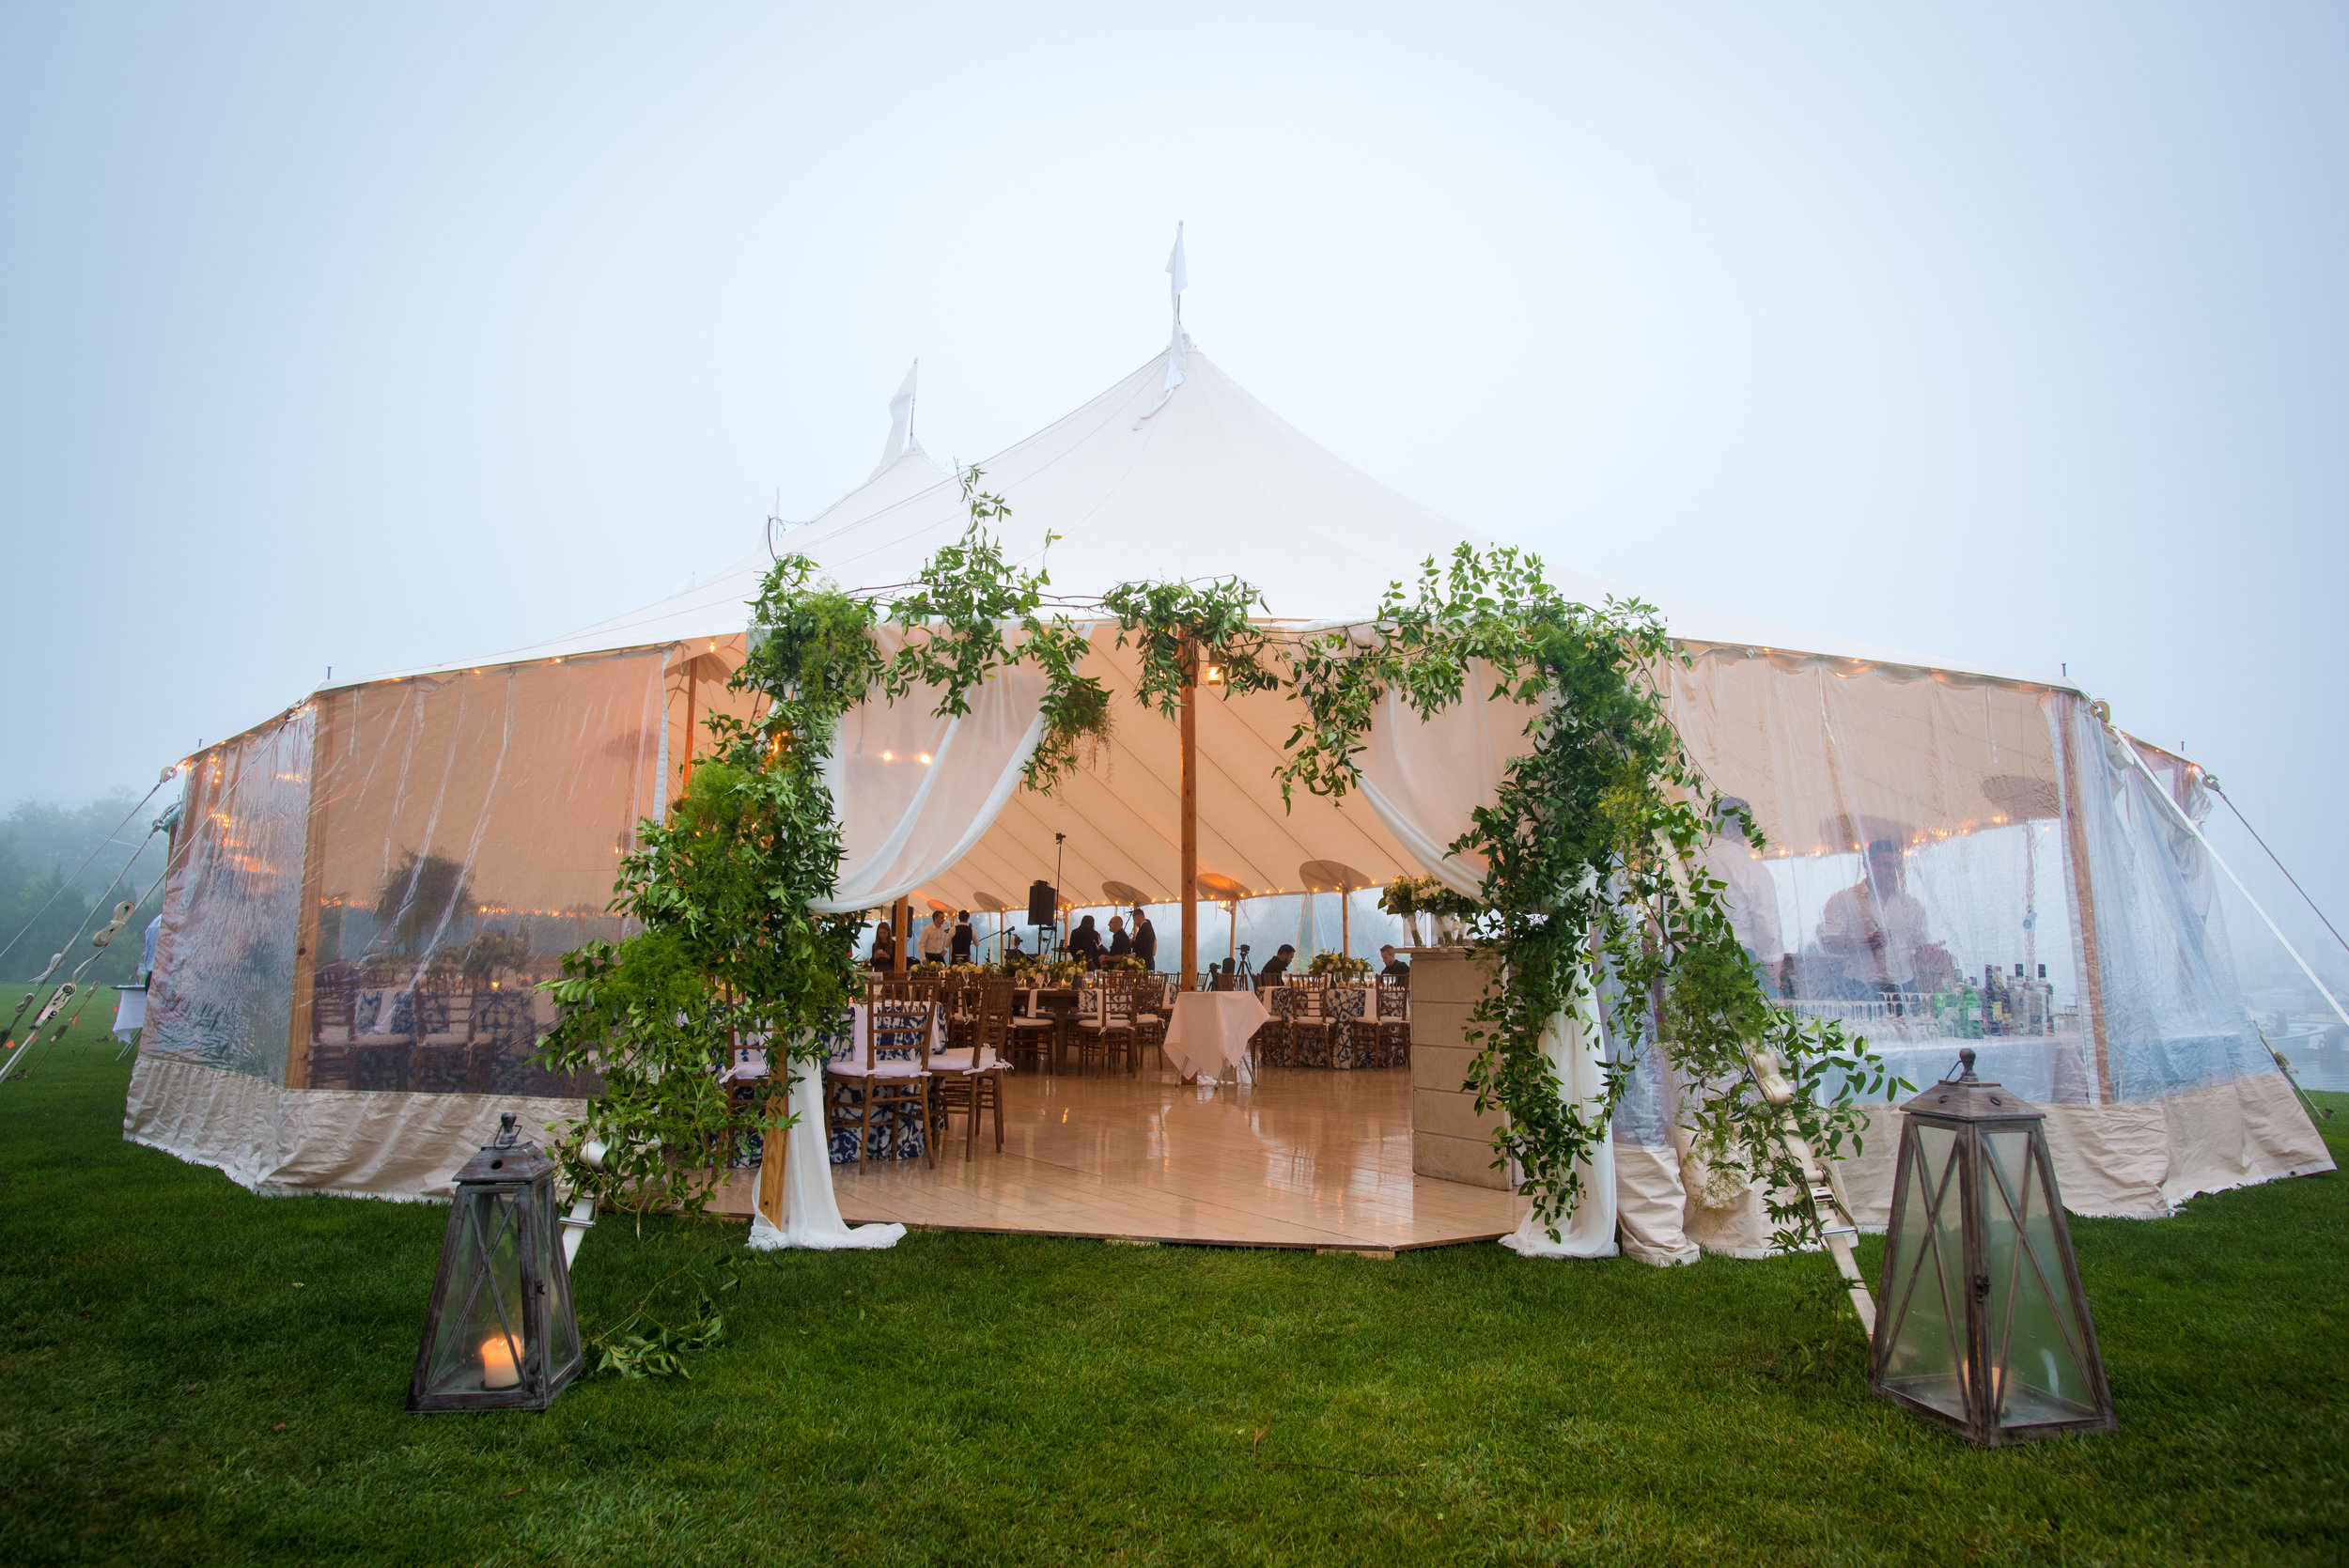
x=1120, y=943
x=884, y=945
x=1394, y=965
x=1278, y=965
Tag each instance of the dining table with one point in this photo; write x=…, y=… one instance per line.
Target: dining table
x=1059, y=1002
x=1208, y=1036
x=843, y=1044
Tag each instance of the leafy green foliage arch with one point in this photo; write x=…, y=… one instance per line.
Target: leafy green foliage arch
x=1593, y=895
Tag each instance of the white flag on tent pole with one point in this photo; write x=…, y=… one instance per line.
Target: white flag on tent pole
x=900, y=419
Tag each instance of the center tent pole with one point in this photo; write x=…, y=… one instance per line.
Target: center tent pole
x=692, y=694
x=1190, y=816
x=902, y=918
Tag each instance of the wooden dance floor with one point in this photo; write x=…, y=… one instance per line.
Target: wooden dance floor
x=1298, y=1159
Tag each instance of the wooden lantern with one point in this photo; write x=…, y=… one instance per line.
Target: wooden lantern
x=1982, y=1326
x=500, y=1333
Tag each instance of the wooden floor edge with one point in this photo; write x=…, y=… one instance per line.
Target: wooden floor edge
x=1129, y=1238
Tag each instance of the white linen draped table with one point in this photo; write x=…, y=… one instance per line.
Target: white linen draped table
x=1210, y=1030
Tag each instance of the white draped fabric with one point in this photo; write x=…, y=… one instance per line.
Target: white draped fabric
x=1426, y=777
x=913, y=792
x=1572, y=1045
x=811, y=1216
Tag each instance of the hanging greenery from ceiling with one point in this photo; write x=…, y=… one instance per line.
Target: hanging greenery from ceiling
x=1594, y=892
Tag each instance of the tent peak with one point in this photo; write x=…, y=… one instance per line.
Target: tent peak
x=900, y=423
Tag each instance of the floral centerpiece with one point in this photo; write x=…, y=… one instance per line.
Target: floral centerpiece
x=1413, y=896
x=1342, y=965
x=1038, y=970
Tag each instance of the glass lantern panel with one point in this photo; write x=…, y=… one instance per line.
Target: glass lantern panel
x=2034, y=1334
x=562, y=1326
x=1927, y=1359
x=480, y=1347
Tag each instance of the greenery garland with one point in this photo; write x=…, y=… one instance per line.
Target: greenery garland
x=1594, y=892
x=1592, y=888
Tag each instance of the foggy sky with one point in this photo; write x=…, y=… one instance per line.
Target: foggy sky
x=375, y=338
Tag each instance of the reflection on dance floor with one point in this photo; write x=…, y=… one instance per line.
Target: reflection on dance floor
x=1297, y=1158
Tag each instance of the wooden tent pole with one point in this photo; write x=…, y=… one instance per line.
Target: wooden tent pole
x=693, y=690
x=901, y=918
x=2084, y=901
x=301, y=1025
x=1191, y=817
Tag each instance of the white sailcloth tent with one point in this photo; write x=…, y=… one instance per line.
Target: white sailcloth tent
x=369, y=876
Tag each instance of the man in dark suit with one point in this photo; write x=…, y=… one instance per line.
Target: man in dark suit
x=1120, y=943
x=1278, y=965
x=1145, y=939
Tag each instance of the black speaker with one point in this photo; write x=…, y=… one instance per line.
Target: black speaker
x=1042, y=903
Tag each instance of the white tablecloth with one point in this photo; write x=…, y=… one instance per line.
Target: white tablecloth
x=1208, y=1036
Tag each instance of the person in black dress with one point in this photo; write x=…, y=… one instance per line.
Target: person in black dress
x=1085, y=942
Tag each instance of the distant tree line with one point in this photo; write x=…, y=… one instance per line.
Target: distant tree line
x=42, y=848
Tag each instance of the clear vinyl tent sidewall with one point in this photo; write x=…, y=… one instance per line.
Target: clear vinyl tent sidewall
x=293, y=963
x=2030, y=840
x=363, y=897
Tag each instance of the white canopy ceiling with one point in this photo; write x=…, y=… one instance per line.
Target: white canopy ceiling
x=1141, y=483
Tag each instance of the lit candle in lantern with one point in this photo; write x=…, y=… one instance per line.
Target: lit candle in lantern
x=498, y=1370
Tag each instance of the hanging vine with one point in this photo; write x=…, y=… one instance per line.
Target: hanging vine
x=1593, y=891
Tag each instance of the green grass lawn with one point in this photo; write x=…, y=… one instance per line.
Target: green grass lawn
x=192, y=1374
